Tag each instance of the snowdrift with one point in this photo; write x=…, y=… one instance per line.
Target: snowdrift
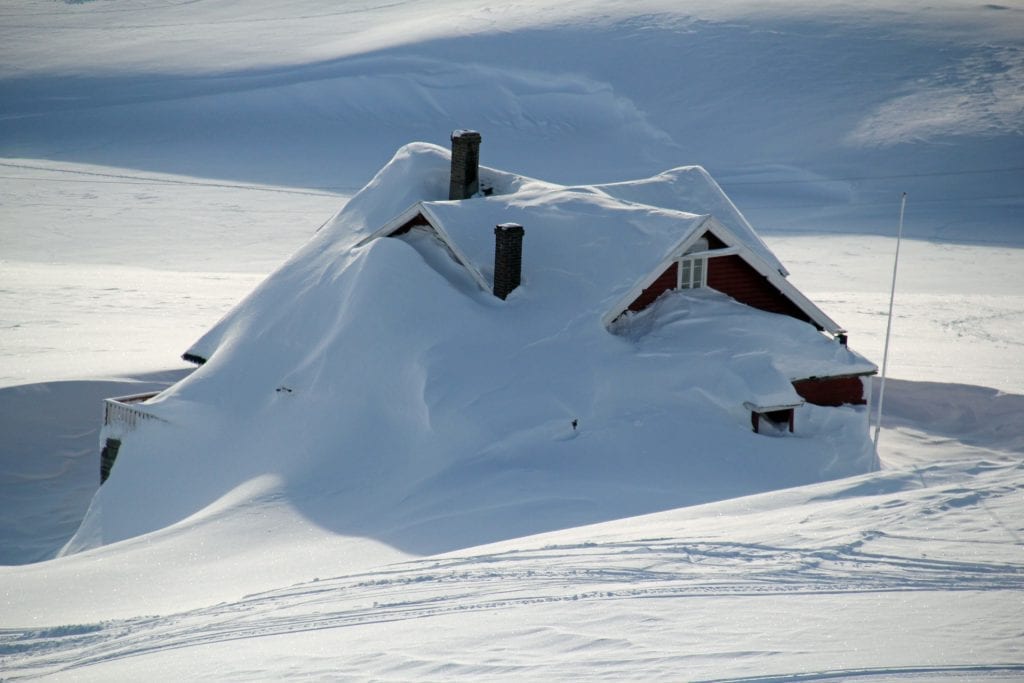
x=814, y=117
x=389, y=419
x=375, y=388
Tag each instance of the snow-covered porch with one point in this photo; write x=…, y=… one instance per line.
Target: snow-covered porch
x=120, y=415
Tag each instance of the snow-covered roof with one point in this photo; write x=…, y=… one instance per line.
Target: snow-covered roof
x=691, y=188
x=586, y=251
x=583, y=250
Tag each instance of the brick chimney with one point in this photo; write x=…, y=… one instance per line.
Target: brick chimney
x=465, y=179
x=508, y=258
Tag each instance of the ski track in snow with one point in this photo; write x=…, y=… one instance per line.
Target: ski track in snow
x=667, y=568
x=888, y=674
x=472, y=583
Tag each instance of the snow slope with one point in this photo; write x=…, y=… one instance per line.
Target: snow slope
x=813, y=116
x=111, y=271
x=160, y=150
x=49, y=471
x=383, y=363
x=910, y=573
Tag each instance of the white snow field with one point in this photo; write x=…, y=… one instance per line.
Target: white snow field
x=159, y=159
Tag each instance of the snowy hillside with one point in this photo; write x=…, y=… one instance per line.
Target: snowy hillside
x=812, y=116
x=299, y=514
x=231, y=136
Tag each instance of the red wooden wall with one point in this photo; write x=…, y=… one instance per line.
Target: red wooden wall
x=730, y=275
x=665, y=282
x=733, y=276
x=832, y=391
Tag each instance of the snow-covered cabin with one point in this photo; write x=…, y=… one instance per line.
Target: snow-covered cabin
x=634, y=241
x=611, y=299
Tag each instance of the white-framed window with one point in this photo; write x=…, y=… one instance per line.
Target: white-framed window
x=693, y=266
x=693, y=273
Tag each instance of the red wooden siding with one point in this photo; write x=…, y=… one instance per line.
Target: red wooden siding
x=665, y=282
x=733, y=276
x=832, y=391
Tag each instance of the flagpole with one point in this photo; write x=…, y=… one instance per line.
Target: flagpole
x=888, y=325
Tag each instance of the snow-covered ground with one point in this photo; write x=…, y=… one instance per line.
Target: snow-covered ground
x=113, y=271
x=161, y=158
x=912, y=573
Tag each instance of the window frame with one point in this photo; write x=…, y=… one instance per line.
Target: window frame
x=696, y=270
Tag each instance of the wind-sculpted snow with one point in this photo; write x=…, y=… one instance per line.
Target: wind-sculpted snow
x=824, y=112
x=48, y=466
x=978, y=416
x=164, y=156
x=697, y=565
x=979, y=95
x=467, y=419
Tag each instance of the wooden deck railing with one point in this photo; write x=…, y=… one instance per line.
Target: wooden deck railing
x=121, y=411
x=120, y=416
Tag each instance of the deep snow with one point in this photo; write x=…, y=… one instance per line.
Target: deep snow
x=888, y=577
x=170, y=139
x=392, y=397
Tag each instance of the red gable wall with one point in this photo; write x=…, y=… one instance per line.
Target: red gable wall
x=664, y=283
x=730, y=275
x=733, y=276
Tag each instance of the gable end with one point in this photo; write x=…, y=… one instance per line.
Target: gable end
x=730, y=267
x=713, y=241
x=419, y=215
x=733, y=276
x=418, y=219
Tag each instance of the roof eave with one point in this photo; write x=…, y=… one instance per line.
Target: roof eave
x=620, y=306
x=778, y=280
x=751, y=257
x=420, y=208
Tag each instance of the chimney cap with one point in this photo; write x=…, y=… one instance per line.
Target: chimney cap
x=509, y=227
x=466, y=133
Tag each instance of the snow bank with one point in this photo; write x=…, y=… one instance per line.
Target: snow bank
x=813, y=115
x=49, y=470
x=391, y=399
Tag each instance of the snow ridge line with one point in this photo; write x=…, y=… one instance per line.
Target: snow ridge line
x=149, y=180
